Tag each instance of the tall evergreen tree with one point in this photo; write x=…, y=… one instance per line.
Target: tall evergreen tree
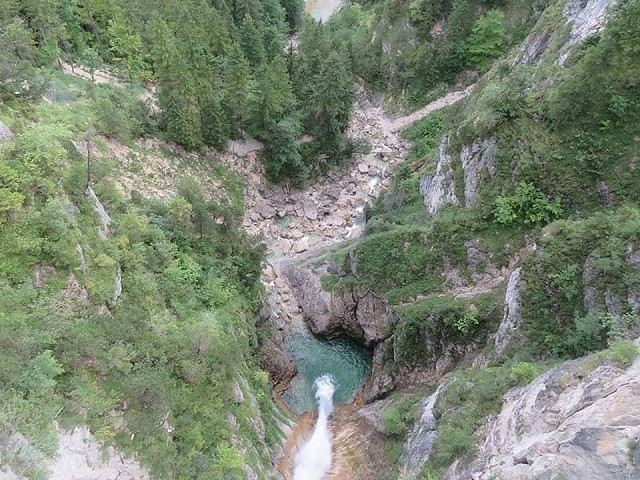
x=237, y=79
x=177, y=94
x=272, y=100
x=329, y=106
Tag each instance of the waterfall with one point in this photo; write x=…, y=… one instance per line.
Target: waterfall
x=313, y=460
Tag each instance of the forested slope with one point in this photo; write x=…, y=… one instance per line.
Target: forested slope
x=508, y=241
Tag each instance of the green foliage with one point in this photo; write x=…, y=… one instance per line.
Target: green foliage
x=392, y=422
x=179, y=335
x=487, y=39
x=471, y=395
x=442, y=320
x=620, y=354
x=526, y=204
x=525, y=372
x=282, y=159
x=425, y=135
x=127, y=49
x=553, y=304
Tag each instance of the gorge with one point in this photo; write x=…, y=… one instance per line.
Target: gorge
x=382, y=239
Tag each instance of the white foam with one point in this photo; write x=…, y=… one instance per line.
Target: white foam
x=313, y=460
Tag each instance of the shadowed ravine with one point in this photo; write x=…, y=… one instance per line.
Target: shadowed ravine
x=293, y=226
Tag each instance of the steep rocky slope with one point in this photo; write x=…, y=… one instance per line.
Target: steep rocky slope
x=573, y=422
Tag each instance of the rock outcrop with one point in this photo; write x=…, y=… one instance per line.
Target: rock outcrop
x=586, y=18
x=105, y=219
x=355, y=312
x=475, y=158
x=420, y=441
x=438, y=189
x=5, y=133
x=568, y=423
x=511, y=316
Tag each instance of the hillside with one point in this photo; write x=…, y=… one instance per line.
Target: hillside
x=206, y=206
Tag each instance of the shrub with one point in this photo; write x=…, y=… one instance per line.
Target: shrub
x=524, y=372
x=587, y=335
x=526, y=205
x=622, y=353
x=392, y=422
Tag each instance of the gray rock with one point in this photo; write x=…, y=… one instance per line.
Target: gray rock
x=633, y=256
x=380, y=382
x=356, y=311
x=83, y=261
x=373, y=413
x=265, y=211
x=310, y=210
x=301, y=245
x=587, y=17
x=74, y=292
x=565, y=424
x=363, y=168
x=105, y=219
x=117, y=287
x=5, y=133
x=606, y=198
x=534, y=46
x=474, y=159
x=41, y=274
x=438, y=189
x=419, y=444
x=238, y=396
x=511, y=316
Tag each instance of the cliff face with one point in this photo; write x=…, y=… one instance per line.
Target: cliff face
x=355, y=312
x=569, y=423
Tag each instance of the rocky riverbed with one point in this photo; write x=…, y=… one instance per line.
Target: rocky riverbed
x=296, y=224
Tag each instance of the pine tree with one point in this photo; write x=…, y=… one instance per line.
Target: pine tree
x=272, y=100
x=252, y=41
x=281, y=158
x=329, y=106
x=176, y=92
x=237, y=79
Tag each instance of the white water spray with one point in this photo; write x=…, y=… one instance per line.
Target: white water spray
x=313, y=460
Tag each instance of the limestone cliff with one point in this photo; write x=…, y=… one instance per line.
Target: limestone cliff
x=355, y=312
x=568, y=423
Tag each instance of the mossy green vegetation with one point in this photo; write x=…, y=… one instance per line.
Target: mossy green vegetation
x=557, y=198
x=142, y=331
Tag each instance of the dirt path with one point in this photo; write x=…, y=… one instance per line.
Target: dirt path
x=403, y=122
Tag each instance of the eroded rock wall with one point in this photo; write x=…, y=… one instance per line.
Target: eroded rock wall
x=569, y=423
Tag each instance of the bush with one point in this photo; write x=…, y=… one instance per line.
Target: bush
x=392, y=422
x=524, y=372
x=587, y=335
x=526, y=205
x=622, y=353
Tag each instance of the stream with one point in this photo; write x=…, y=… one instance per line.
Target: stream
x=321, y=10
x=347, y=363
x=294, y=224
